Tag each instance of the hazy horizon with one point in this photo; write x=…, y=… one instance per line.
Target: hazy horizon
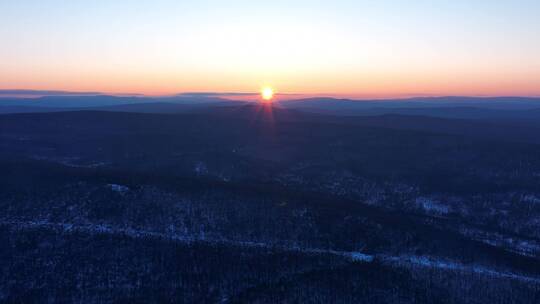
x=29, y=93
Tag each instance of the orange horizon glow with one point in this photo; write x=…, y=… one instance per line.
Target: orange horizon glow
x=366, y=84
x=374, y=90
x=350, y=84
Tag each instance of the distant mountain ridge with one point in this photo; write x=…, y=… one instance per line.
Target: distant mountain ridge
x=414, y=102
x=103, y=100
x=455, y=107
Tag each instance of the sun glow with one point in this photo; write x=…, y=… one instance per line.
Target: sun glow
x=267, y=93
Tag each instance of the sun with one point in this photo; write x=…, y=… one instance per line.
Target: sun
x=267, y=93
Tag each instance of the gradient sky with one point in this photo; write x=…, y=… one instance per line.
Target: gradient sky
x=353, y=48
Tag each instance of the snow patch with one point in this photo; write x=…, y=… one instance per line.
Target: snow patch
x=118, y=188
x=531, y=198
x=201, y=168
x=431, y=205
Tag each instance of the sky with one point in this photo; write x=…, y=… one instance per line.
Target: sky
x=356, y=48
